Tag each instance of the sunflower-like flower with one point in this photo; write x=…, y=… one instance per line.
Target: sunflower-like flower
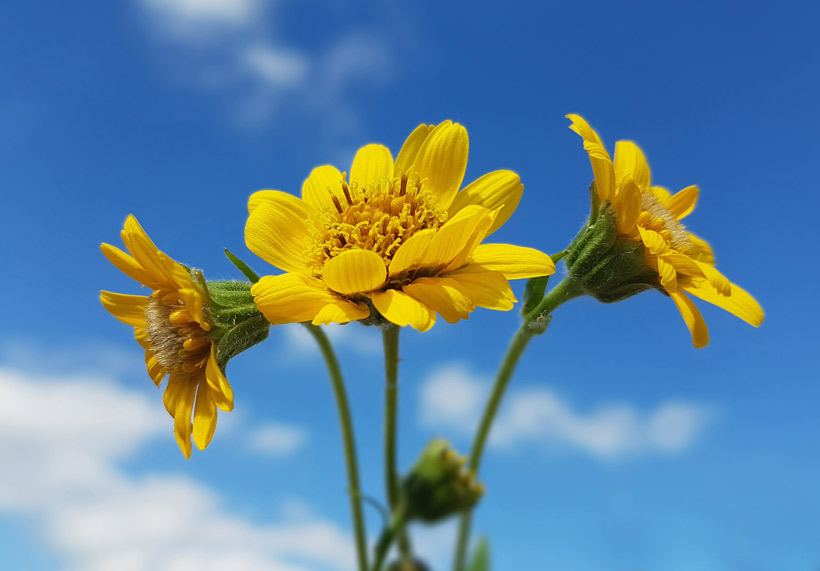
x=639, y=221
x=398, y=237
x=172, y=326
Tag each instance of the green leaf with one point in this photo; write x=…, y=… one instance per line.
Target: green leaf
x=480, y=561
x=246, y=270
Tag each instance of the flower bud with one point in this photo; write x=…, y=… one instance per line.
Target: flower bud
x=438, y=485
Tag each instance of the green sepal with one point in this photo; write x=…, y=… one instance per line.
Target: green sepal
x=241, y=337
x=534, y=293
x=480, y=559
x=242, y=266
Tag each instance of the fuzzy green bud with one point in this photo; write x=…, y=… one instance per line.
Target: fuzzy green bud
x=438, y=485
x=605, y=265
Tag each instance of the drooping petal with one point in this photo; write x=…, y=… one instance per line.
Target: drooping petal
x=321, y=186
x=183, y=409
x=341, y=311
x=442, y=295
x=354, y=271
x=130, y=309
x=410, y=149
x=668, y=275
x=739, y=303
x=493, y=190
x=280, y=236
x=692, y=317
x=372, y=164
x=204, y=417
x=627, y=206
x=400, y=309
x=630, y=162
x=602, y=168
x=412, y=252
x=487, y=289
x=683, y=202
x=221, y=390
x=513, y=262
x=290, y=298
x=442, y=161
x=155, y=370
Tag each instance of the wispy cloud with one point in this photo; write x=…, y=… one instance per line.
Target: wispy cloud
x=452, y=398
x=61, y=440
x=234, y=46
x=278, y=439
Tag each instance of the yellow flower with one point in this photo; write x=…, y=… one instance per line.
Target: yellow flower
x=652, y=216
x=399, y=235
x=172, y=326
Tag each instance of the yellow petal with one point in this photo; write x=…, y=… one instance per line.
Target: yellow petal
x=341, y=311
x=486, y=288
x=173, y=389
x=442, y=295
x=739, y=303
x=716, y=279
x=221, y=390
x=129, y=266
x=155, y=370
x=279, y=235
x=442, y=161
x=290, y=298
x=130, y=309
x=144, y=251
x=451, y=238
x=204, y=417
x=184, y=407
x=683, y=203
x=141, y=335
x=668, y=275
x=602, y=168
x=372, y=164
x=627, y=207
x=400, y=309
x=410, y=149
x=321, y=186
x=661, y=194
x=700, y=250
x=693, y=318
x=478, y=234
x=513, y=262
x=630, y=162
x=354, y=271
x=412, y=252
x=653, y=241
x=493, y=190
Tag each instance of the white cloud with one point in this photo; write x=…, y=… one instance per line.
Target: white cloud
x=61, y=441
x=278, y=439
x=180, y=15
x=276, y=67
x=452, y=398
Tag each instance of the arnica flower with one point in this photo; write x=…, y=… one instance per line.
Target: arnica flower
x=398, y=236
x=172, y=326
x=640, y=222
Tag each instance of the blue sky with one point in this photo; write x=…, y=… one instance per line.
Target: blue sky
x=619, y=445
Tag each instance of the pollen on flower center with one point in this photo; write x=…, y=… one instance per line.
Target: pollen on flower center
x=378, y=217
x=180, y=344
x=657, y=217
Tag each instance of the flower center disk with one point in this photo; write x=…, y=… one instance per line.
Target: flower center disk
x=657, y=217
x=378, y=217
x=179, y=343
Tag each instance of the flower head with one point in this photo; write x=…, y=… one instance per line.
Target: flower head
x=645, y=221
x=397, y=236
x=173, y=326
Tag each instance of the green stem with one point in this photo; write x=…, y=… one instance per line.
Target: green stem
x=388, y=535
x=390, y=336
x=564, y=291
x=347, y=438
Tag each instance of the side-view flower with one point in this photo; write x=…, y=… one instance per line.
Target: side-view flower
x=397, y=237
x=634, y=212
x=173, y=327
